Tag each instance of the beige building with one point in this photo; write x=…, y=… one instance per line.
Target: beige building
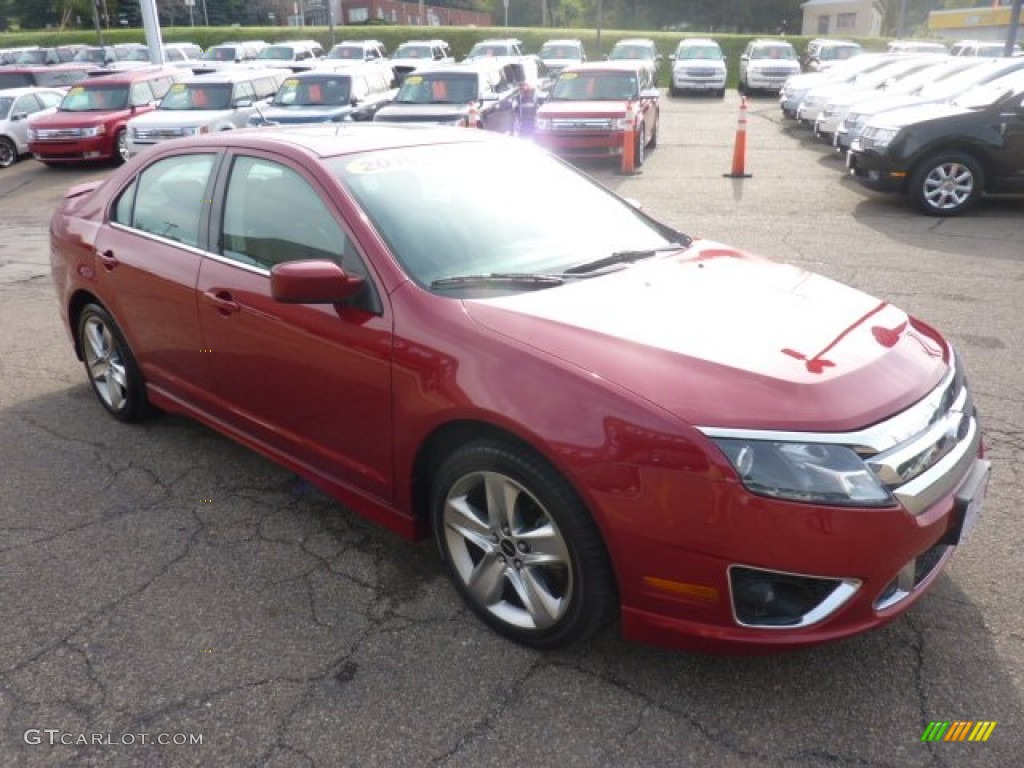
x=842, y=18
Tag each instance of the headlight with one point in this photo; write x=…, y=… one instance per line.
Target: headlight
x=33, y=134
x=808, y=472
x=96, y=130
x=879, y=137
x=542, y=123
x=619, y=124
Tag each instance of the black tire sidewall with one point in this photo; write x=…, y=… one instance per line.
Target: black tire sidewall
x=13, y=149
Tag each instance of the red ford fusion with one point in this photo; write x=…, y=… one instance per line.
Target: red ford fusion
x=590, y=412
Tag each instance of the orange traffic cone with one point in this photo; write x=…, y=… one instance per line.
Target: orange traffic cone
x=739, y=151
x=628, y=165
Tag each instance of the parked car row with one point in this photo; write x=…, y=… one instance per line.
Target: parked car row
x=941, y=130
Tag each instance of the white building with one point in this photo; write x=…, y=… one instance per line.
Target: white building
x=842, y=18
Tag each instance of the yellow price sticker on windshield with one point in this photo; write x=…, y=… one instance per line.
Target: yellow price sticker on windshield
x=569, y=75
x=414, y=79
x=291, y=82
x=76, y=90
x=178, y=87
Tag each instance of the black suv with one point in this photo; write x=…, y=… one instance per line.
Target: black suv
x=481, y=94
x=944, y=157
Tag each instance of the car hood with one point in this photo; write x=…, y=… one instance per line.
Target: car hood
x=583, y=109
x=721, y=338
x=918, y=113
x=310, y=114
x=424, y=112
x=179, y=118
x=77, y=119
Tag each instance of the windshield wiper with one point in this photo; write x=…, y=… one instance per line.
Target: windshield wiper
x=507, y=278
x=622, y=257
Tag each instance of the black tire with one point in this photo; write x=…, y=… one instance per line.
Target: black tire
x=640, y=144
x=121, y=146
x=652, y=143
x=8, y=152
x=673, y=91
x=720, y=93
x=110, y=365
x=537, y=571
x=946, y=184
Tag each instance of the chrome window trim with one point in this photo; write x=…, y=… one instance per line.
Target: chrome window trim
x=841, y=595
x=157, y=238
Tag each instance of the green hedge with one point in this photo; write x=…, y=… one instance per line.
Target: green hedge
x=461, y=39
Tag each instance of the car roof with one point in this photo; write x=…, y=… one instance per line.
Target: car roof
x=618, y=65
x=21, y=91
x=125, y=76
x=237, y=75
x=334, y=140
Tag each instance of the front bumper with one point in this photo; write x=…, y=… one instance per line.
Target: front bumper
x=874, y=170
x=691, y=579
x=80, y=150
x=688, y=81
x=588, y=144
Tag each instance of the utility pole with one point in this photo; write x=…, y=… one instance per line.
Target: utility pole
x=96, y=20
x=1011, y=35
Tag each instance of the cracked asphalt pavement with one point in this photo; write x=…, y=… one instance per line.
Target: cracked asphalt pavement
x=161, y=583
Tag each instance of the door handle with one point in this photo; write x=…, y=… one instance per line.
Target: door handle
x=223, y=301
x=107, y=259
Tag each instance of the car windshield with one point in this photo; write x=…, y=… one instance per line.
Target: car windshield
x=595, y=86
x=277, y=53
x=838, y=52
x=351, y=52
x=5, y=106
x=412, y=52
x=15, y=79
x=438, y=88
x=197, y=96
x=488, y=49
x=90, y=56
x=95, y=98
x=313, y=91
x=631, y=52
x=219, y=53
x=560, y=52
x=428, y=206
x=699, y=52
x=64, y=55
x=773, y=52
x=136, y=54
x=29, y=58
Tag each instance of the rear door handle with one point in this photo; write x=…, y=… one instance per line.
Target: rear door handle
x=223, y=300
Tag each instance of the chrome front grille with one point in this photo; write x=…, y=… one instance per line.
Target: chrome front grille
x=581, y=124
x=777, y=72
x=700, y=72
x=155, y=134
x=46, y=134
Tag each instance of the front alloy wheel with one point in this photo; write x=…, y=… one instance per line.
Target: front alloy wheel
x=121, y=146
x=8, y=152
x=947, y=184
x=520, y=546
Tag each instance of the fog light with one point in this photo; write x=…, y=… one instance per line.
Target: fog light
x=773, y=599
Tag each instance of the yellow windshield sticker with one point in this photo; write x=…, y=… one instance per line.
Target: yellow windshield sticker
x=178, y=87
x=291, y=82
x=569, y=75
x=414, y=79
x=77, y=90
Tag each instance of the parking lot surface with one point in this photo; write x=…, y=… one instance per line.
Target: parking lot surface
x=171, y=598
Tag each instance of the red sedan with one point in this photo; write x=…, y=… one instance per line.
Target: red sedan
x=589, y=411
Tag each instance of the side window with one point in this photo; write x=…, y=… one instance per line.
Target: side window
x=50, y=99
x=141, y=94
x=27, y=105
x=243, y=90
x=260, y=227
x=359, y=88
x=122, y=212
x=303, y=55
x=170, y=198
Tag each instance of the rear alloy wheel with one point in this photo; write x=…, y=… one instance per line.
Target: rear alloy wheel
x=519, y=545
x=947, y=184
x=121, y=146
x=110, y=365
x=8, y=152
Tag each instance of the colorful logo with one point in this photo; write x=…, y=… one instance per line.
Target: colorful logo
x=958, y=730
